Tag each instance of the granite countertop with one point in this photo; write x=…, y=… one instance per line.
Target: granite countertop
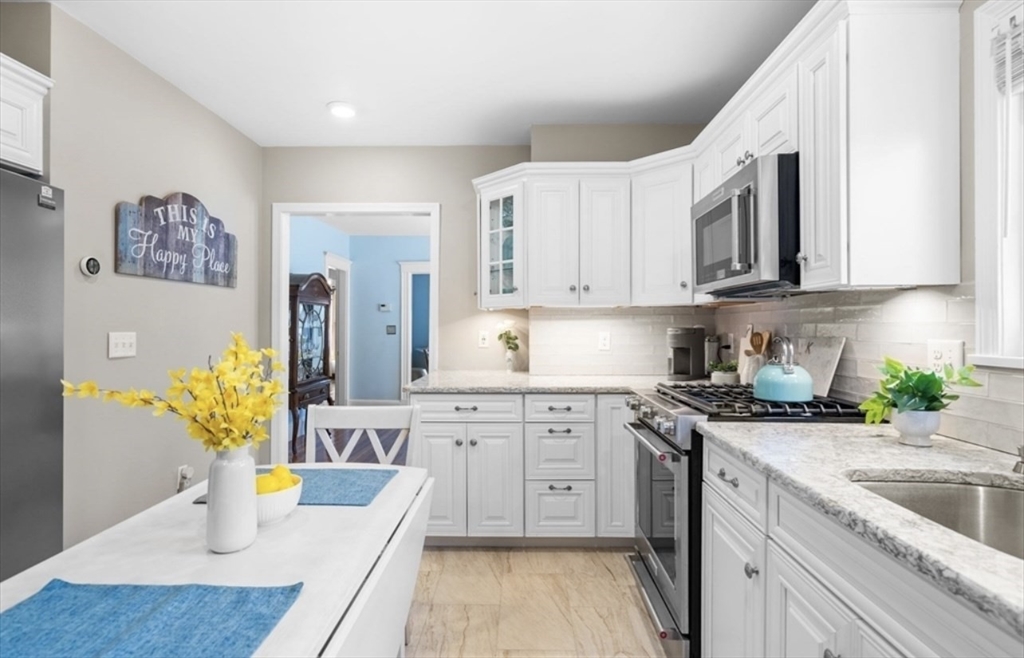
x=498, y=381
x=819, y=463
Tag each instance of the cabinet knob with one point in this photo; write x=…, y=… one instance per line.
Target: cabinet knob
x=748, y=156
x=828, y=654
x=515, y=288
x=739, y=162
x=572, y=288
x=458, y=442
x=586, y=288
x=684, y=285
x=750, y=570
x=801, y=258
x=472, y=442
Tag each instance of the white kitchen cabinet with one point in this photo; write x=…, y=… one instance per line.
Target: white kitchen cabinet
x=578, y=237
x=502, y=254
x=443, y=453
x=823, y=217
x=704, y=177
x=732, y=148
x=560, y=508
x=732, y=592
x=494, y=477
x=662, y=237
x=773, y=118
x=616, y=469
x=560, y=451
x=803, y=618
x=22, y=93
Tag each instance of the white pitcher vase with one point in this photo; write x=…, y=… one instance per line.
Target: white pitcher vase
x=231, y=501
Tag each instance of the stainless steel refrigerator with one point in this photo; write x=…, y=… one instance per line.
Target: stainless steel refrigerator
x=31, y=365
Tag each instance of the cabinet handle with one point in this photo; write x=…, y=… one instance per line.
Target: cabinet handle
x=565, y=408
x=473, y=408
x=515, y=288
x=458, y=442
x=586, y=288
x=828, y=654
x=572, y=288
x=739, y=162
x=750, y=570
x=748, y=156
x=552, y=487
x=734, y=481
x=552, y=430
x=472, y=442
x=684, y=285
x=801, y=258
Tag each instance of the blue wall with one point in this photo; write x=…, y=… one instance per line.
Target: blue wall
x=309, y=239
x=420, y=318
x=376, y=279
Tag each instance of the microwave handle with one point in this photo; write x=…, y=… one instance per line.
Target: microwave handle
x=737, y=264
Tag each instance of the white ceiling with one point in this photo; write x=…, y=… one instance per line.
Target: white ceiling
x=367, y=224
x=445, y=73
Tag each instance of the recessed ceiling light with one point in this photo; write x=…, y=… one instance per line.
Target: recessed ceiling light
x=341, y=110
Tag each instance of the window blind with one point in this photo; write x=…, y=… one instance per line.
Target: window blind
x=1008, y=57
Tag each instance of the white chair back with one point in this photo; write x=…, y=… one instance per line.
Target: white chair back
x=364, y=422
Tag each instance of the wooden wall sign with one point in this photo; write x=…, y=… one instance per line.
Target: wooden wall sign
x=174, y=238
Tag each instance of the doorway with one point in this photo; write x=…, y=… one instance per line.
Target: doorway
x=415, y=343
x=368, y=309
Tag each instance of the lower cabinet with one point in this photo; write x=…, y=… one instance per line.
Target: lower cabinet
x=478, y=473
x=560, y=509
x=616, y=469
x=732, y=593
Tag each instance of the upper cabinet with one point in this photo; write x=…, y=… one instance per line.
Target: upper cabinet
x=773, y=118
x=22, y=91
x=662, y=238
x=502, y=253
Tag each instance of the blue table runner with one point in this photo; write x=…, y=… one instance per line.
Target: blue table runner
x=355, y=487
x=192, y=621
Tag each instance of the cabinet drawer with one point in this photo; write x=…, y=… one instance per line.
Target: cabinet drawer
x=470, y=409
x=738, y=483
x=560, y=508
x=542, y=408
x=560, y=451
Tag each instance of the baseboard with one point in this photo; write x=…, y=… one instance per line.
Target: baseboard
x=374, y=403
x=530, y=542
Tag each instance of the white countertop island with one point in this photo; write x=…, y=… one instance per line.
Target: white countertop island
x=358, y=564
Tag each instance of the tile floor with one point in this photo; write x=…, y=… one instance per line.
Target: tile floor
x=518, y=603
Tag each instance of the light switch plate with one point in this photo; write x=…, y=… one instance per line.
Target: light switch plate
x=120, y=344
x=941, y=352
x=604, y=340
x=484, y=340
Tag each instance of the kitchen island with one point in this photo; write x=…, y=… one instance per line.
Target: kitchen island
x=358, y=565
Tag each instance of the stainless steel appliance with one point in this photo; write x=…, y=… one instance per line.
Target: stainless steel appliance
x=746, y=232
x=32, y=354
x=685, y=353
x=669, y=454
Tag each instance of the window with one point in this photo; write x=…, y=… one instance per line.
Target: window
x=999, y=182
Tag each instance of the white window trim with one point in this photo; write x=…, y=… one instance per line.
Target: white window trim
x=987, y=283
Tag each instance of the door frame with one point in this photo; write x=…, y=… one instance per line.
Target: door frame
x=280, y=224
x=408, y=268
x=341, y=336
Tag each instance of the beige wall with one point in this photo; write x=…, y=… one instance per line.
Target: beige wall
x=118, y=132
x=403, y=175
x=25, y=33
x=607, y=142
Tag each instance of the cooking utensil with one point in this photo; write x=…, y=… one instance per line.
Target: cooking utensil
x=757, y=342
x=783, y=381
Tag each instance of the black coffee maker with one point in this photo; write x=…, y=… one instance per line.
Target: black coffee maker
x=685, y=353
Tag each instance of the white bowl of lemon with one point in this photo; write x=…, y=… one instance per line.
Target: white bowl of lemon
x=277, y=494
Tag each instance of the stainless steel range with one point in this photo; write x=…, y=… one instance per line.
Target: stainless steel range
x=669, y=455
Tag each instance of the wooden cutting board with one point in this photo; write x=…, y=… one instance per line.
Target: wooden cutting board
x=820, y=356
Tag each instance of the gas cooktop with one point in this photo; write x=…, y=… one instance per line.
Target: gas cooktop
x=737, y=402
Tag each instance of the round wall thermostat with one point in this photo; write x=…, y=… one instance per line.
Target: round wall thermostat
x=90, y=266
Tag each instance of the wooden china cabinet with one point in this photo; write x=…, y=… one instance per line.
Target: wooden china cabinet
x=309, y=346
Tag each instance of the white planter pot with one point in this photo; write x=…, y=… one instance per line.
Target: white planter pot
x=231, y=501
x=916, y=427
x=725, y=378
x=510, y=360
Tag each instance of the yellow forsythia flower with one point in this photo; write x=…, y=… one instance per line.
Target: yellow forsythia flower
x=88, y=389
x=69, y=388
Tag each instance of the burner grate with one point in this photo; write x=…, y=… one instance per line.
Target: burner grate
x=737, y=400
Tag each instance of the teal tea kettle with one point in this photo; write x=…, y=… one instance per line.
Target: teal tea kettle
x=783, y=381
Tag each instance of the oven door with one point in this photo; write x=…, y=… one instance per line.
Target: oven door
x=662, y=526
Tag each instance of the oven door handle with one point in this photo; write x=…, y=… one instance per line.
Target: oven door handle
x=657, y=446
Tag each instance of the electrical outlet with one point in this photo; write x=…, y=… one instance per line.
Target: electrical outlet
x=941, y=352
x=604, y=340
x=120, y=344
x=484, y=340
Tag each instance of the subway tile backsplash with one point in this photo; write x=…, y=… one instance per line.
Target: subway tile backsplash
x=564, y=341
x=876, y=323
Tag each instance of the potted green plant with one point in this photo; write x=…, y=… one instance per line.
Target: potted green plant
x=724, y=372
x=510, y=340
x=913, y=399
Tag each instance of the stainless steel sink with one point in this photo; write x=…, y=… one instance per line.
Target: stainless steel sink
x=991, y=515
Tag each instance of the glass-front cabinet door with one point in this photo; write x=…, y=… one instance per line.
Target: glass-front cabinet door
x=501, y=248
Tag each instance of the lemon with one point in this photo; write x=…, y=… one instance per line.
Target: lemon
x=267, y=484
x=280, y=471
x=282, y=476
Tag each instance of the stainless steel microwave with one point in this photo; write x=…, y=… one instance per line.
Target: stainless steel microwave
x=746, y=232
